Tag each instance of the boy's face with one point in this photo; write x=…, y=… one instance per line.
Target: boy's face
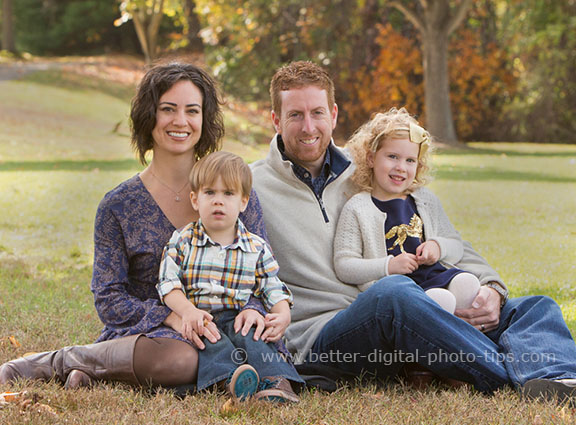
x=219, y=207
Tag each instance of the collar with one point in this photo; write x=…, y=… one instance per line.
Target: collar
x=335, y=162
x=243, y=240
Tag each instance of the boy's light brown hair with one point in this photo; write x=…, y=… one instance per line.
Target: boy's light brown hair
x=234, y=171
x=296, y=75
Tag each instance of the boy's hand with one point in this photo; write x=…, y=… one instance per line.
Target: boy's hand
x=248, y=318
x=428, y=253
x=402, y=264
x=277, y=321
x=276, y=324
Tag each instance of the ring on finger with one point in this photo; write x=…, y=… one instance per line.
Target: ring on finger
x=482, y=327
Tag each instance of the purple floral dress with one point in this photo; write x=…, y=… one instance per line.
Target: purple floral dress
x=129, y=235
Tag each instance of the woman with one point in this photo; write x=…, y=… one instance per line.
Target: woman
x=176, y=114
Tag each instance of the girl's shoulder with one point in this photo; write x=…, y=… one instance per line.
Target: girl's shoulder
x=358, y=201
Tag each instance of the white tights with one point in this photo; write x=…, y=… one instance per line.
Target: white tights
x=460, y=293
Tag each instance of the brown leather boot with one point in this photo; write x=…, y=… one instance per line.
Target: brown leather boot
x=277, y=389
x=107, y=361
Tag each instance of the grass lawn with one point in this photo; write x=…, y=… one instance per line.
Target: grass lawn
x=64, y=143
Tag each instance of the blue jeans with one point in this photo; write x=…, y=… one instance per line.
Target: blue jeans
x=395, y=322
x=219, y=360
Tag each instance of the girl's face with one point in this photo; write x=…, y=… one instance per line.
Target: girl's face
x=178, y=119
x=394, y=165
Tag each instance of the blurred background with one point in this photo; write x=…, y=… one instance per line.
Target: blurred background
x=471, y=70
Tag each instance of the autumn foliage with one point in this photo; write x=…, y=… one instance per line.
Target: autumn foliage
x=480, y=78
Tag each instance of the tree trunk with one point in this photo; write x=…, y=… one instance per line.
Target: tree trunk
x=195, y=43
x=436, y=20
x=7, y=29
x=439, y=120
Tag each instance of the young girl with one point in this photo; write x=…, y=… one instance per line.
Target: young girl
x=395, y=226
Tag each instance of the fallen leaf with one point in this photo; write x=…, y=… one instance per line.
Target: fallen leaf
x=12, y=397
x=44, y=408
x=14, y=341
x=229, y=408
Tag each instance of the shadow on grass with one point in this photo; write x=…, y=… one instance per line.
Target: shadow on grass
x=489, y=173
x=71, y=165
x=76, y=82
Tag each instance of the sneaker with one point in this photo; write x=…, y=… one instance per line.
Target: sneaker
x=276, y=389
x=551, y=389
x=243, y=383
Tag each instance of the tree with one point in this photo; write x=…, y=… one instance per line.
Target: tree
x=147, y=15
x=7, y=29
x=436, y=20
x=195, y=43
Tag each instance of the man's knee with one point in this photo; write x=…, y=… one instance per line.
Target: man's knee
x=395, y=286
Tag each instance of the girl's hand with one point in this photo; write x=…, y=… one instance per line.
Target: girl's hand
x=402, y=264
x=428, y=253
x=248, y=318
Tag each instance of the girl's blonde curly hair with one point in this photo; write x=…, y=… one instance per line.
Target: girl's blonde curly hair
x=397, y=124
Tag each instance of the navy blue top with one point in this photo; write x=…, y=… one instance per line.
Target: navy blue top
x=129, y=235
x=404, y=212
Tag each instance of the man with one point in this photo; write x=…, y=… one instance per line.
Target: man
x=302, y=185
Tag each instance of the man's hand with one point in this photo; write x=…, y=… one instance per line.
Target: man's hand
x=248, y=318
x=428, y=253
x=402, y=264
x=484, y=314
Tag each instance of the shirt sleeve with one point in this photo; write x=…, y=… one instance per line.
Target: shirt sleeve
x=446, y=235
x=116, y=307
x=269, y=287
x=350, y=263
x=173, y=257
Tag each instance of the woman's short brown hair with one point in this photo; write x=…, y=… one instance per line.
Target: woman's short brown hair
x=157, y=81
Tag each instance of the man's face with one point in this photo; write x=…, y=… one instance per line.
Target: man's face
x=306, y=123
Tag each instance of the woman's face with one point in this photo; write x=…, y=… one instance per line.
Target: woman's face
x=178, y=119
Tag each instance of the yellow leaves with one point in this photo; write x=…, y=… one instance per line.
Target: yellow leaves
x=10, y=340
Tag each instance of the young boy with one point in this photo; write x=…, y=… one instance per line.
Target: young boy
x=210, y=269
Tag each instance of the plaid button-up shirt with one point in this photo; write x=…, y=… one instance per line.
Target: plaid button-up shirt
x=216, y=278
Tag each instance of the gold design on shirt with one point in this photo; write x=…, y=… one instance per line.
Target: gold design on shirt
x=402, y=231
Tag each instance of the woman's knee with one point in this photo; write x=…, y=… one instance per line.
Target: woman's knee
x=165, y=361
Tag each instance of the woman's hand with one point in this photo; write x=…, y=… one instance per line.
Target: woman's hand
x=210, y=330
x=248, y=318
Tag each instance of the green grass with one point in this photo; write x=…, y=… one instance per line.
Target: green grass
x=514, y=202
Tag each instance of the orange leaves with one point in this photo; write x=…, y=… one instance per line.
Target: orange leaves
x=10, y=340
x=480, y=81
x=394, y=79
